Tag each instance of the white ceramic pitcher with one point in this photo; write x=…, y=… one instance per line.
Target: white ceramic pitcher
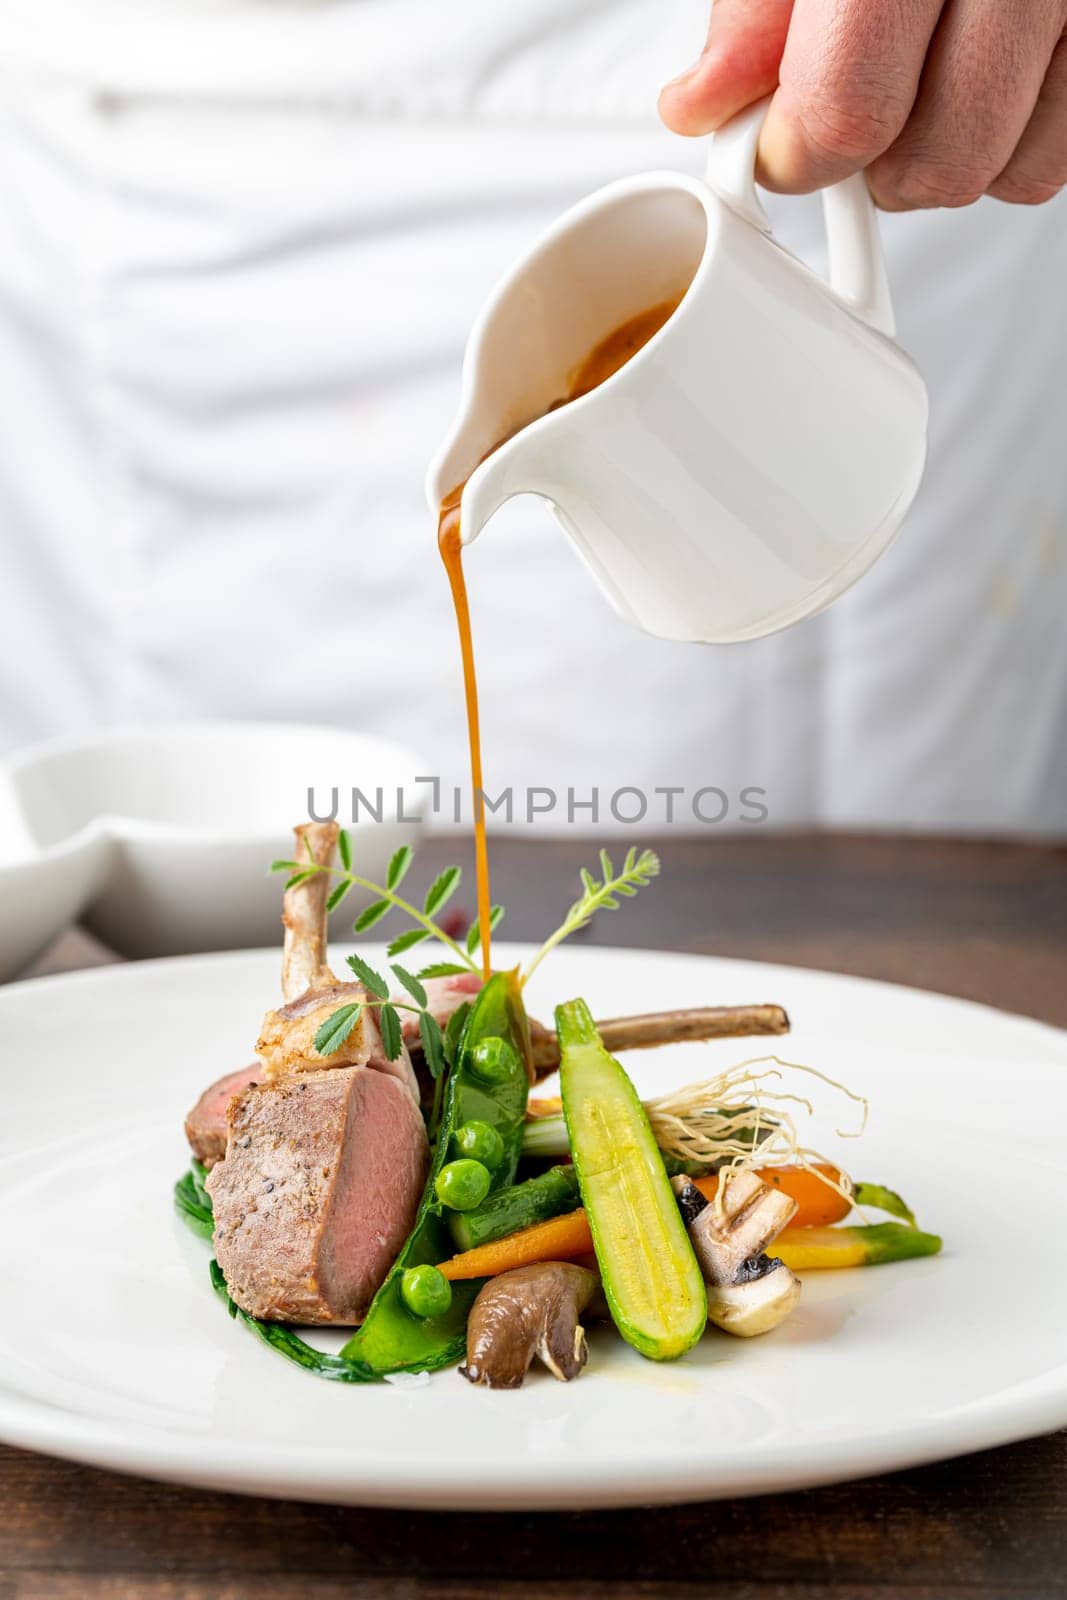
x=754, y=458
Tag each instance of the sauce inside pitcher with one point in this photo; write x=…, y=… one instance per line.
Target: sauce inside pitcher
x=601, y=363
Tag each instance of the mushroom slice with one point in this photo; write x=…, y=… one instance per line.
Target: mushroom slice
x=745, y=1216
x=756, y=1305
x=749, y=1292
x=531, y=1311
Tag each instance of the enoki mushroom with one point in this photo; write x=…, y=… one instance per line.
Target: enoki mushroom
x=735, y=1120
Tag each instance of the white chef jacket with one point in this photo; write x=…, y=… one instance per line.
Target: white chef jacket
x=242, y=242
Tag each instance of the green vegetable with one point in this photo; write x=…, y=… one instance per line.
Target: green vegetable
x=334, y=1031
x=387, y=899
x=282, y=1339
x=547, y=1136
x=425, y=1291
x=194, y=1206
x=598, y=894
x=547, y=1195
x=638, y=869
x=883, y=1199
x=652, y=1282
x=480, y=1142
x=192, y=1201
x=493, y=1059
x=391, y=1339
x=463, y=1185
x=820, y=1249
x=892, y=1241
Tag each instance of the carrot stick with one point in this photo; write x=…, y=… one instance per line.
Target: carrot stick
x=563, y=1238
x=558, y=1239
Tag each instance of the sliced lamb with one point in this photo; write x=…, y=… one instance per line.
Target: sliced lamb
x=205, y=1126
x=319, y=1189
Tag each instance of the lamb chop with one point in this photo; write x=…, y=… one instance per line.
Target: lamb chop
x=325, y=1158
x=311, y=992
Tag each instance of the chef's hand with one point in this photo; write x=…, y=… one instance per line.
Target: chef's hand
x=941, y=103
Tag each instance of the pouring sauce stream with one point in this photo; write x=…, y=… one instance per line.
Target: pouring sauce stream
x=601, y=363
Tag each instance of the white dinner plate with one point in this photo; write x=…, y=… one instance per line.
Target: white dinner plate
x=114, y=1350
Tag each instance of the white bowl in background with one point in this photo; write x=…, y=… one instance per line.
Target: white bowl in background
x=160, y=839
x=42, y=893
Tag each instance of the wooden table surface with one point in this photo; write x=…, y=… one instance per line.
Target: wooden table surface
x=987, y=921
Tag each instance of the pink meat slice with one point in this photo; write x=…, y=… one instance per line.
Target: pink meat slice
x=205, y=1126
x=319, y=1189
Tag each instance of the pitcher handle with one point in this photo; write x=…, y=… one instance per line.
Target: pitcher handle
x=857, y=264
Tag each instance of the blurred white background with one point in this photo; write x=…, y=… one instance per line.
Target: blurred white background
x=242, y=246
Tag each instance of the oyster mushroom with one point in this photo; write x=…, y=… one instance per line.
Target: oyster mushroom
x=749, y=1292
x=532, y=1311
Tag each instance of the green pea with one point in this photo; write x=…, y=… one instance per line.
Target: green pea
x=480, y=1142
x=494, y=1059
x=463, y=1185
x=425, y=1291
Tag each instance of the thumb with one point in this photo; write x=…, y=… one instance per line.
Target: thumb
x=738, y=66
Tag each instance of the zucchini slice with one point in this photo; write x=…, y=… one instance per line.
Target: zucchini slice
x=652, y=1281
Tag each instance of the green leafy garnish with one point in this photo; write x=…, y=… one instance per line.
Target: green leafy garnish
x=454, y=1032
x=368, y=977
x=474, y=932
x=386, y=898
x=371, y=914
x=192, y=1201
x=337, y=1028
x=599, y=894
x=398, y=867
x=433, y=1044
x=412, y=985
x=392, y=1038
x=337, y=895
x=883, y=1199
x=342, y=1369
x=300, y=877
x=442, y=889
x=603, y=894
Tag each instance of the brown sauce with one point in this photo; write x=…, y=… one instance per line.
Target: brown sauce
x=602, y=362
x=620, y=346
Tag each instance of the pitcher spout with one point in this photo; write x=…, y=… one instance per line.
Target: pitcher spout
x=487, y=474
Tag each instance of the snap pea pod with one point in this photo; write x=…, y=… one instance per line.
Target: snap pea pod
x=489, y=1083
x=548, y=1195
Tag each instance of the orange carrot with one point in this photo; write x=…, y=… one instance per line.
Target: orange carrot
x=558, y=1239
x=563, y=1238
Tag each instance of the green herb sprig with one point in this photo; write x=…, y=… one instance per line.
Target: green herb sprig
x=387, y=899
x=335, y=1031
x=601, y=894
